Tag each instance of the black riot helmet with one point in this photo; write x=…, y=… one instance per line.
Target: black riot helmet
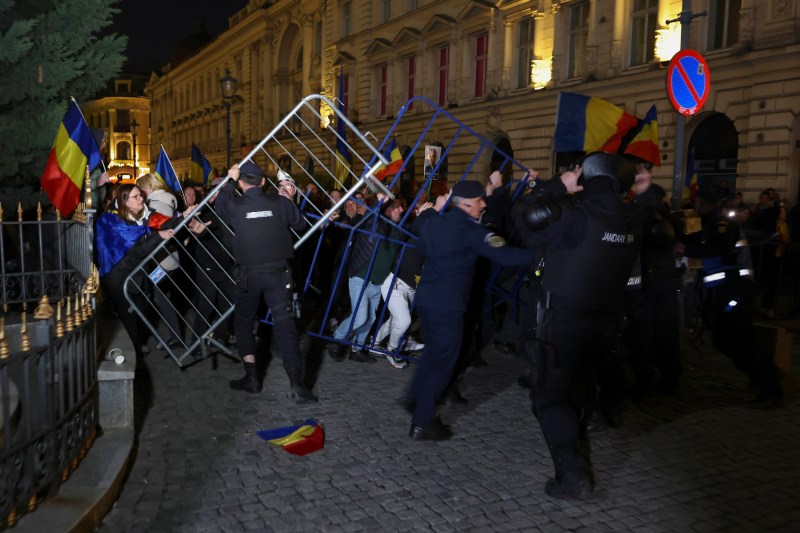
x=604, y=164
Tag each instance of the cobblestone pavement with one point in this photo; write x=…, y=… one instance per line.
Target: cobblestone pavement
x=705, y=460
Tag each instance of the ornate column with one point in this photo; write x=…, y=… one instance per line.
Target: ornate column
x=618, y=35
x=508, y=56
x=308, y=47
x=267, y=52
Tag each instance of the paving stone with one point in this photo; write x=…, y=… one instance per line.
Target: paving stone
x=701, y=461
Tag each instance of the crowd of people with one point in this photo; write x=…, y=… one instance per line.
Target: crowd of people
x=595, y=248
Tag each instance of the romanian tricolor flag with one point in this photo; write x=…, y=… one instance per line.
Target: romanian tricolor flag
x=644, y=143
x=166, y=173
x=298, y=440
x=201, y=168
x=392, y=153
x=691, y=182
x=343, y=157
x=73, y=149
x=588, y=124
x=113, y=237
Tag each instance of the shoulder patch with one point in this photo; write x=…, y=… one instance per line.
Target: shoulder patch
x=495, y=241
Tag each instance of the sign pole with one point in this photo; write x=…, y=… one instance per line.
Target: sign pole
x=685, y=19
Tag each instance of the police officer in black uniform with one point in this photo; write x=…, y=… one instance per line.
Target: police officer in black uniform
x=450, y=244
x=653, y=310
x=590, y=251
x=729, y=303
x=262, y=248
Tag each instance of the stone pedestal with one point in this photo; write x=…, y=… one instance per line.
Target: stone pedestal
x=115, y=385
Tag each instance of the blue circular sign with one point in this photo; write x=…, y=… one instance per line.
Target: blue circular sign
x=688, y=82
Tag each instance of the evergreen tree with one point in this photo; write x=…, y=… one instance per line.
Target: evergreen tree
x=50, y=50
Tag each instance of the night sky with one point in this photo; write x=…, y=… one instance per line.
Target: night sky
x=155, y=27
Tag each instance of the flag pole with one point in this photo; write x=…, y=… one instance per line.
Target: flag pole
x=173, y=169
x=95, y=141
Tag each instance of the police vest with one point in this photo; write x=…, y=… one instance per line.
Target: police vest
x=737, y=263
x=262, y=233
x=594, y=274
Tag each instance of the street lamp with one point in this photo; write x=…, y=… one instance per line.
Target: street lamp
x=134, y=130
x=227, y=84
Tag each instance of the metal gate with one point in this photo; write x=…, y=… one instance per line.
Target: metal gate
x=190, y=302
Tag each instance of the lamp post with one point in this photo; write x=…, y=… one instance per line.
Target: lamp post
x=134, y=131
x=227, y=85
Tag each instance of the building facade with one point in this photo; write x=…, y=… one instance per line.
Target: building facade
x=123, y=113
x=500, y=65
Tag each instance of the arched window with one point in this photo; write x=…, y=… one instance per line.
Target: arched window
x=123, y=150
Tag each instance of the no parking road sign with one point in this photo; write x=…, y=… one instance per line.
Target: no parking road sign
x=688, y=80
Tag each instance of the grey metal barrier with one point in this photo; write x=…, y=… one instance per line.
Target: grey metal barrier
x=173, y=303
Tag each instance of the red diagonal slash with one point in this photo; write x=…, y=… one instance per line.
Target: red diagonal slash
x=685, y=77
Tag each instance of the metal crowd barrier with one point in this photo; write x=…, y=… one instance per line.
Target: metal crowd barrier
x=170, y=303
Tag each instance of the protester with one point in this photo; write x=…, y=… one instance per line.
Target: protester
x=124, y=235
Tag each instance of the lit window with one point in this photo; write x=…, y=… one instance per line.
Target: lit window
x=578, y=38
x=723, y=23
x=444, y=60
x=347, y=15
x=524, y=52
x=412, y=72
x=481, y=57
x=643, y=34
x=382, y=96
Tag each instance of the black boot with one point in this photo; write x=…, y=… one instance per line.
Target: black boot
x=337, y=351
x=300, y=394
x=571, y=480
x=249, y=383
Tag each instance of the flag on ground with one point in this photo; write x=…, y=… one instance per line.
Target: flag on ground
x=201, y=168
x=166, y=173
x=644, y=143
x=73, y=149
x=392, y=153
x=588, y=124
x=301, y=439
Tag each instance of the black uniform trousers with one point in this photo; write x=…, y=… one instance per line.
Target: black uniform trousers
x=443, y=332
x=730, y=312
x=257, y=284
x=653, y=336
x=563, y=381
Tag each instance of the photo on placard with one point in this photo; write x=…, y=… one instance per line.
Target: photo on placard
x=432, y=156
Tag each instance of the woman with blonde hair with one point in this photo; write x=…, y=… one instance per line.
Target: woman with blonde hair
x=159, y=198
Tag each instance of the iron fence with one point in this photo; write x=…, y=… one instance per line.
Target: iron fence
x=42, y=254
x=48, y=406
